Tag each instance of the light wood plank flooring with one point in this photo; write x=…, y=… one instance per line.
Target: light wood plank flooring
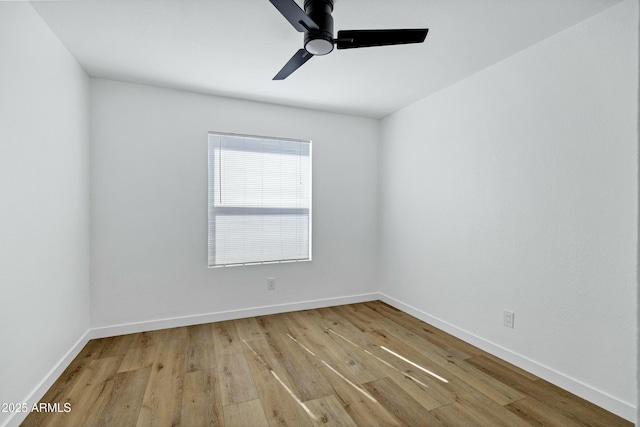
x=356, y=365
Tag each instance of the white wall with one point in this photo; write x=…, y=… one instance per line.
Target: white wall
x=517, y=189
x=44, y=203
x=149, y=208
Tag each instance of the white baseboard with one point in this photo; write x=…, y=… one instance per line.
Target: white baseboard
x=174, y=322
x=38, y=392
x=604, y=400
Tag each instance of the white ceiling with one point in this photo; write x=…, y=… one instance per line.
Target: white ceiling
x=234, y=47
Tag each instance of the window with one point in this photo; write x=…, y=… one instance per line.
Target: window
x=259, y=200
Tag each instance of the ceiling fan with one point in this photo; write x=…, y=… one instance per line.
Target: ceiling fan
x=317, y=24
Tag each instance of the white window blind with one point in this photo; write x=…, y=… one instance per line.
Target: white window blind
x=259, y=200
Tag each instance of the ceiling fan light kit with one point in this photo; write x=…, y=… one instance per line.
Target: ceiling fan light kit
x=316, y=23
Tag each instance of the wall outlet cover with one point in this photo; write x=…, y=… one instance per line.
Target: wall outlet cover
x=509, y=318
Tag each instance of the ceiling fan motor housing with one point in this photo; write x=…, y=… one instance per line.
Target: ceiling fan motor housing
x=320, y=41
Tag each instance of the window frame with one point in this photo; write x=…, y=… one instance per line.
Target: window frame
x=242, y=210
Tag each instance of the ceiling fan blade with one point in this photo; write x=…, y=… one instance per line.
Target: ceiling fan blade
x=294, y=63
x=296, y=16
x=350, y=39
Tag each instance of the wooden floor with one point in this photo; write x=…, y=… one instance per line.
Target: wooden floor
x=356, y=365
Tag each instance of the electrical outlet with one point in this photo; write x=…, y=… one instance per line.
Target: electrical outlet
x=509, y=318
x=271, y=284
